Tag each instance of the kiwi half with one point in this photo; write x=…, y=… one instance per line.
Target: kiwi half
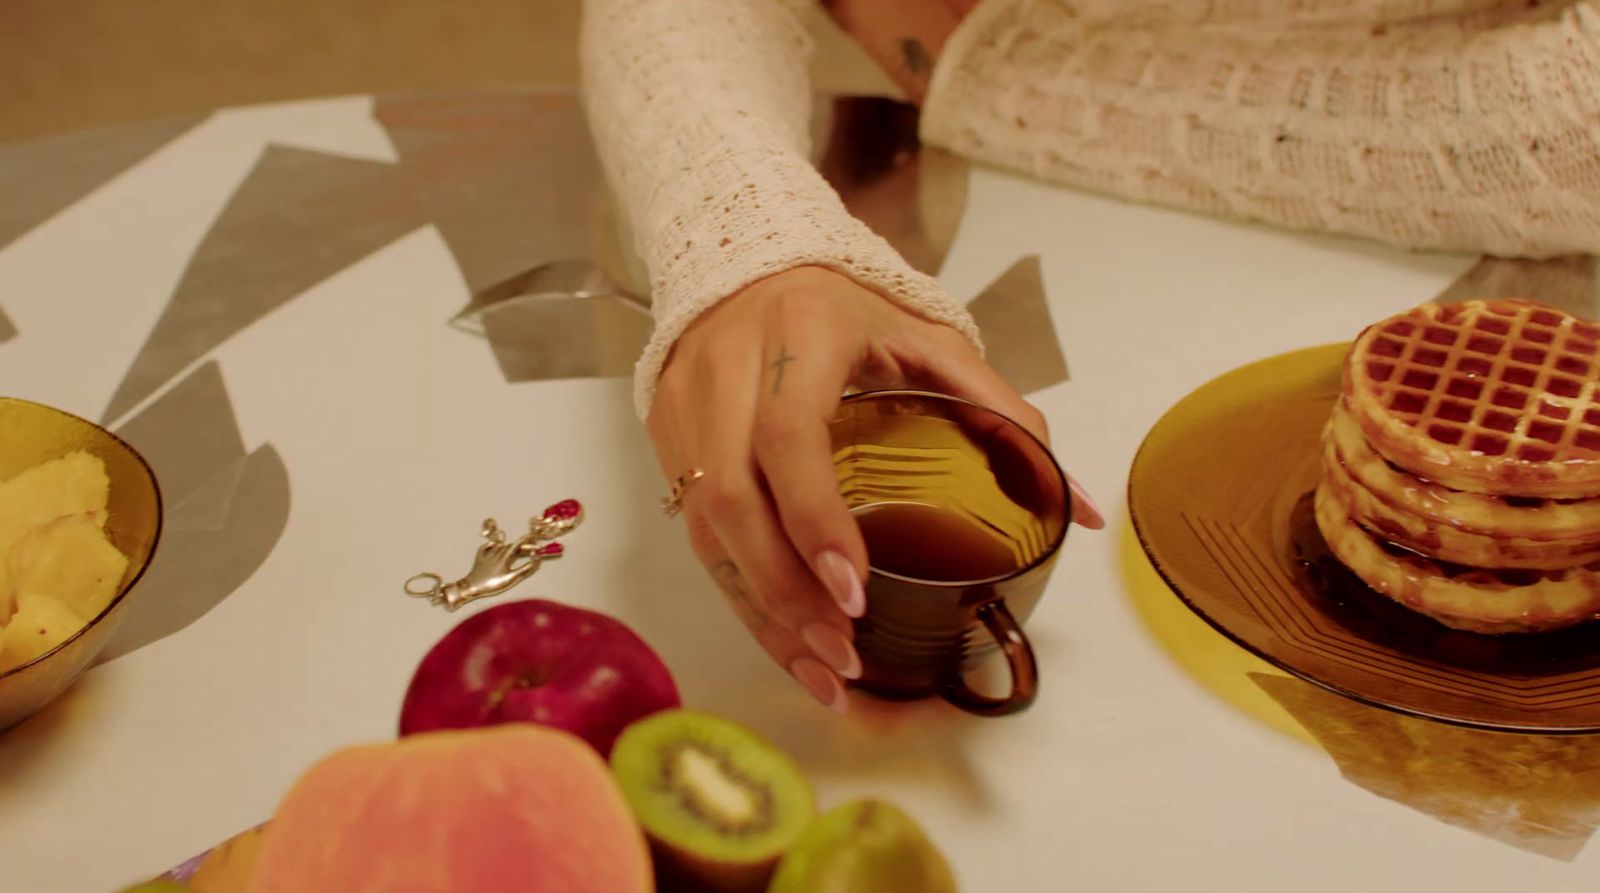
x=864, y=846
x=719, y=803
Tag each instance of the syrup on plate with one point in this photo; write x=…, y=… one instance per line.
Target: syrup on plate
x=1338, y=593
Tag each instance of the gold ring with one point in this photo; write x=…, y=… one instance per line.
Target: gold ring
x=673, y=503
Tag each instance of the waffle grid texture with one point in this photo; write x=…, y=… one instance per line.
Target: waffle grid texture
x=1494, y=396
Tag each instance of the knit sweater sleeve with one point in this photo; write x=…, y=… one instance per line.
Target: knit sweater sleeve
x=700, y=110
x=1458, y=125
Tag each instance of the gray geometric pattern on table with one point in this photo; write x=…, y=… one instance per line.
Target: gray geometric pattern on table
x=588, y=315
x=1568, y=283
x=41, y=177
x=508, y=179
x=577, y=318
x=555, y=293
x=298, y=218
x=512, y=184
x=1539, y=793
x=566, y=319
x=569, y=320
x=1018, y=330
x=225, y=509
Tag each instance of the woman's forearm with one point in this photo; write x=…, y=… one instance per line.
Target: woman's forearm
x=700, y=111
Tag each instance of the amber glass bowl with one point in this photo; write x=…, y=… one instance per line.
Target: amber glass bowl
x=31, y=433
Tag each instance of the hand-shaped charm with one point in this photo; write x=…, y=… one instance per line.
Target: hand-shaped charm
x=498, y=564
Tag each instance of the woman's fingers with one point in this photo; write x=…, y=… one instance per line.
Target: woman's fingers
x=783, y=645
x=738, y=499
x=1084, y=510
x=742, y=517
x=788, y=650
x=788, y=647
x=709, y=412
x=951, y=361
x=803, y=381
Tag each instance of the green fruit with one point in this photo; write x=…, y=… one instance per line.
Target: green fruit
x=719, y=803
x=865, y=846
x=160, y=886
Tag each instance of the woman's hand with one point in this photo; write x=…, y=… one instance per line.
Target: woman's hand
x=746, y=397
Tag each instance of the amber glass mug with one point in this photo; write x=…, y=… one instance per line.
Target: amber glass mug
x=964, y=513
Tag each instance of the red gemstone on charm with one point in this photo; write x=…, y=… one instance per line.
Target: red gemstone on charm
x=550, y=550
x=564, y=510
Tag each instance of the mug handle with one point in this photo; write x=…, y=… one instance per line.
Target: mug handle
x=1019, y=658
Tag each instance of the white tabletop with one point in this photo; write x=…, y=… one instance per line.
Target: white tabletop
x=397, y=434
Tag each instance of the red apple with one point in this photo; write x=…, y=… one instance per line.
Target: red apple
x=541, y=662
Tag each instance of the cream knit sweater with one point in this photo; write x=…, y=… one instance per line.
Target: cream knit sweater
x=1459, y=125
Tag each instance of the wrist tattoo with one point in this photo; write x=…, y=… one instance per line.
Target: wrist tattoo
x=916, y=56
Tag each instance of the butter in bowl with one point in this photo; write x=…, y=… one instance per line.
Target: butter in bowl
x=80, y=517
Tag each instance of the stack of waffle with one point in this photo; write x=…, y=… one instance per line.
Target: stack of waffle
x=1461, y=465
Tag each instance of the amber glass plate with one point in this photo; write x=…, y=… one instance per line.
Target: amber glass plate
x=1218, y=495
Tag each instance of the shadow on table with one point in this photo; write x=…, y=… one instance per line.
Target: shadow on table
x=1539, y=793
x=226, y=508
x=44, y=746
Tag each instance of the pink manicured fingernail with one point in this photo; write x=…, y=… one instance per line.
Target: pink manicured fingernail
x=820, y=681
x=839, y=576
x=834, y=648
x=1092, y=519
